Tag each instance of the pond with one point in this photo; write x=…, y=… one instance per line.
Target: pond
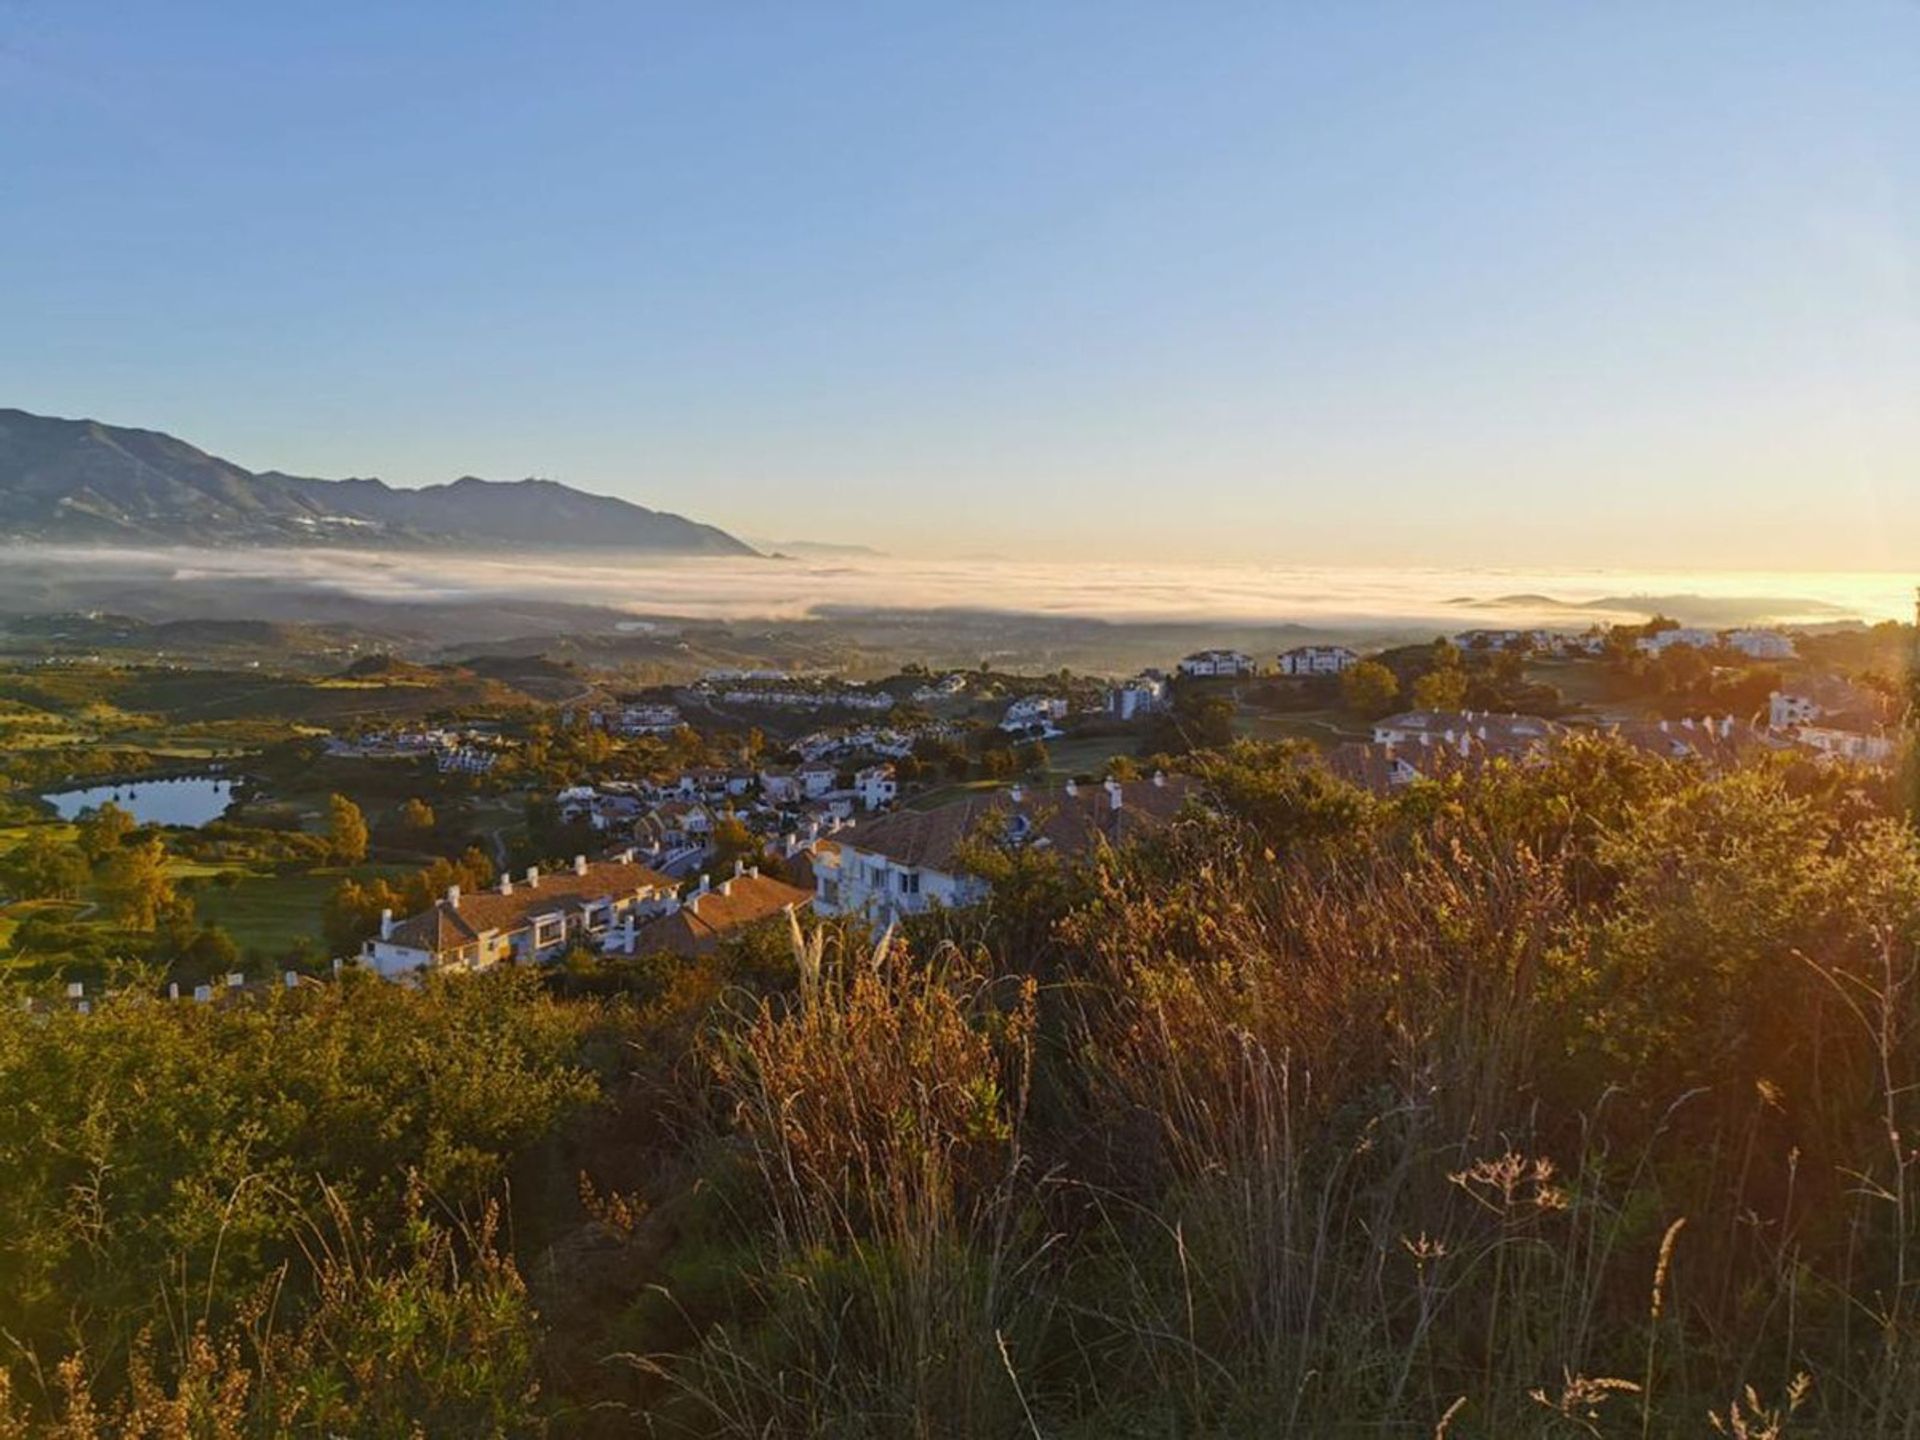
x=190, y=800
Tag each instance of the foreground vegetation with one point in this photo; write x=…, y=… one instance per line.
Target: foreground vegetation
x=1579, y=1101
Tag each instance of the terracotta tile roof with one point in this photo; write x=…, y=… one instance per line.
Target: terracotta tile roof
x=447, y=927
x=1713, y=742
x=1071, y=824
x=704, y=922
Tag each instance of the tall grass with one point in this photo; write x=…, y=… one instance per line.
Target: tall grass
x=1520, y=1118
x=882, y=1113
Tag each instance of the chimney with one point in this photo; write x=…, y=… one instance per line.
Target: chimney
x=579, y=864
x=506, y=884
x=706, y=883
x=453, y=897
x=739, y=867
x=753, y=871
x=626, y=857
x=726, y=887
x=533, y=877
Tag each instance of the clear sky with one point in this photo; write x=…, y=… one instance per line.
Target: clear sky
x=1535, y=283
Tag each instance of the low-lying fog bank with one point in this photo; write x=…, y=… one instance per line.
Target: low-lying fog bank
x=305, y=584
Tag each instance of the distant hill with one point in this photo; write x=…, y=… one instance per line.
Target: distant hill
x=820, y=549
x=79, y=481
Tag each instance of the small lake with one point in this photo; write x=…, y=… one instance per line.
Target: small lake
x=192, y=800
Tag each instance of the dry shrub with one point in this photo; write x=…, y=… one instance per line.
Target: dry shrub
x=883, y=1113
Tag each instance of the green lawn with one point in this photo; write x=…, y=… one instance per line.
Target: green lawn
x=271, y=913
x=1322, y=727
x=1087, y=755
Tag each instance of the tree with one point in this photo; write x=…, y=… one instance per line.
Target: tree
x=1369, y=689
x=1122, y=768
x=104, y=831
x=135, y=887
x=733, y=841
x=1441, y=689
x=346, y=831
x=41, y=868
x=417, y=818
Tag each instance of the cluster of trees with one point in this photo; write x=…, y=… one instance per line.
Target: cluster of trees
x=1442, y=677
x=352, y=912
x=1686, y=680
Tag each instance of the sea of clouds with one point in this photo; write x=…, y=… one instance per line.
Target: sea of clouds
x=1320, y=597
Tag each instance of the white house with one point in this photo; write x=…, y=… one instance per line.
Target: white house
x=1506, y=734
x=1865, y=747
x=647, y=720
x=1318, y=660
x=816, y=778
x=1656, y=644
x=1142, y=695
x=1761, y=644
x=1032, y=711
x=945, y=688
x=1205, y=664
x=1835, y=717
x=908, y=862
x=1504, y=639
x=780, y=786
x=877, y=786
x=533, y=919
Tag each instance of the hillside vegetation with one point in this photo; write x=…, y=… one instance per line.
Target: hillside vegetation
x=1575, y=1101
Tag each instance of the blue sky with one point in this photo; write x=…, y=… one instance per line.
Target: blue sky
x=1514, y=284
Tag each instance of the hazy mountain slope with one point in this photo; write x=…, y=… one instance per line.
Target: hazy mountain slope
x=82, y=481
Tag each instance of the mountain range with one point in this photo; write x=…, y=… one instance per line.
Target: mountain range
x=82, y=482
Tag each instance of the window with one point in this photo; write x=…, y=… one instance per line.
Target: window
x=909, y=882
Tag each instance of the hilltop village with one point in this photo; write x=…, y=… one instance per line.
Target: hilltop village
x=407, y=818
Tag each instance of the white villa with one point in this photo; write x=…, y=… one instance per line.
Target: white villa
x=1206, y=664
x=906, y=863
x=1761, y=644
x=1034, y=710
x=1318, y=660
x=1685, y=635
x=1507, y=733
x=816, y=779
x=877, y=786
x=1142, y=695
x=779, y=786
x=1504, y=639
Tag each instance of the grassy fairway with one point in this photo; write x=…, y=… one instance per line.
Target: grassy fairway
x=1322, y=727
x=272, y=913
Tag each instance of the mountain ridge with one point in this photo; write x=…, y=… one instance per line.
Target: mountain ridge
x=85, y=481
